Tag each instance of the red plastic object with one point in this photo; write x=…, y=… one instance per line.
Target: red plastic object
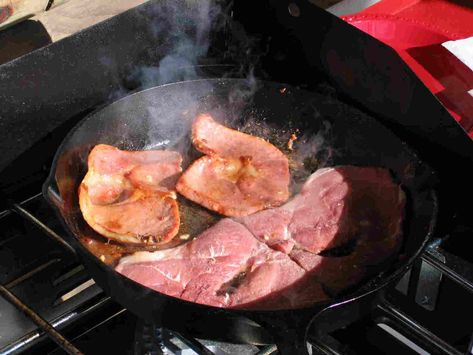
x=417, y=39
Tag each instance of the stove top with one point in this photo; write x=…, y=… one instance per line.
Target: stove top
x=48, y=302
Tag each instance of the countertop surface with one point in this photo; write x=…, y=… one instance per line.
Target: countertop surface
x=59, y=22
x=73, y=16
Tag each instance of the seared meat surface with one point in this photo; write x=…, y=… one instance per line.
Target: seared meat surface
x=128, y=196
x=239, y=175
x=270, y=260
x=205, y=263
x=225, y=267
x=335, y=206
x=335, y=273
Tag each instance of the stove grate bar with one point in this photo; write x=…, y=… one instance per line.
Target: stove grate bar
x=192, y=343
x=7, y=211
x=48, y=231
x=27, y=340
x=31, y=273
x=406, y=341
x=408, y=325
x=448, y=271
x=74, y=292
x=268, y=350
x=74, y=271
x=39, y=321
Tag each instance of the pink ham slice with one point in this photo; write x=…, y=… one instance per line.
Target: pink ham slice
x=129, y=197
x=269, y=260
x=334, y=273
x=239, y=175
x=225, y=267
x=196, y=270
x=277, y=282
x=335, y=205
x=272, y=227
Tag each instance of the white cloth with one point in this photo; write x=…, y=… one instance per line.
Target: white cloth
x=462, y=49
x=349, y=7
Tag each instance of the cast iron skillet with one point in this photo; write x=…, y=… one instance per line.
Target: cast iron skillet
x=160, y=116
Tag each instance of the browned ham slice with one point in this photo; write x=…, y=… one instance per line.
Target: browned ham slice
x=113, y=174
x=128, y=197
x=239, y=175
x=225, y=267
x=335, y=205
x=143, y=218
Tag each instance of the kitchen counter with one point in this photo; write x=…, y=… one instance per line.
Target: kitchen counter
x=74, y=15
x=59, y=22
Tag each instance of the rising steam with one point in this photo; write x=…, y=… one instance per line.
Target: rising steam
x=187, y=26
x=183, y=31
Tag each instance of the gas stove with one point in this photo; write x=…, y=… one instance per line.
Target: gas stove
x=50, y=305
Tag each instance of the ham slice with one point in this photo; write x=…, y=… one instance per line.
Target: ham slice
x=269, y=260
x=225, y=267
x=128, y=196
x=334, y=273
x=239, y=175
x=277, y=282
x=272, y=227
x=335, y=206
x=197, y=269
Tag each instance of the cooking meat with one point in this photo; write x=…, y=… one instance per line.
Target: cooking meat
x=143, y=218
x=114, y=174
x=339, y=204
x=197, y=268
x=334, y=273
x=335, y=206
x=225, y=267
x=129, y=197
x=270, y=260
x=373, y=252
x=239, y=175
x=272, y=227
x=276, y=282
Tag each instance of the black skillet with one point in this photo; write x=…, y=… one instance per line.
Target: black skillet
x=160, y=117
